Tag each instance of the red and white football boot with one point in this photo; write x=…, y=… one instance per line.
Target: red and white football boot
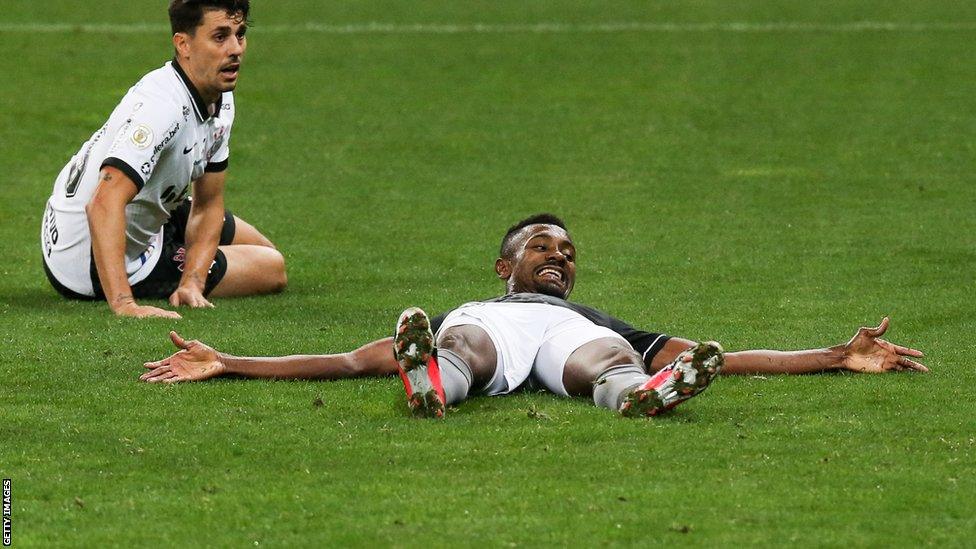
x=413, y=348
x=676, y=382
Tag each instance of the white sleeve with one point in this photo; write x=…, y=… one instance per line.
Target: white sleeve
x=147, y=131
x=218, y=161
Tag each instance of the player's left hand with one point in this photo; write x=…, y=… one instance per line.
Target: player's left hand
x=867, y=352
x=188, y=295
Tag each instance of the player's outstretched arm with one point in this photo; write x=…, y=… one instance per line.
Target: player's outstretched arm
x=865, y=352
x=106, y=223
x=196, y=361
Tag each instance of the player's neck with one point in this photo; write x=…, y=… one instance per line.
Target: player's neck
x=209, y=97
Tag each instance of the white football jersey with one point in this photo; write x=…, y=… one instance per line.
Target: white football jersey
x=162, y=136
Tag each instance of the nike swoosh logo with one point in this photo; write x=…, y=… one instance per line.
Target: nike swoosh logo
x=187, y=151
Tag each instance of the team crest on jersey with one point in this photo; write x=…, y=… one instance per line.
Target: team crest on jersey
x=215, y=147
x=142, y=136
x=146, y=169
x=218, y=140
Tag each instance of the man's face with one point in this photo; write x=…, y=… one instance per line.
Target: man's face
x=212, y=55
x=544, y=262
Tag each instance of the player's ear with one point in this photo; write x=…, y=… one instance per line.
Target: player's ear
x=503, y=268
x=181, y=43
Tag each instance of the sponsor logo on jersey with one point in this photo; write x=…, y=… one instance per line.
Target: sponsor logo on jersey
x=180, y=258
x=142, y=136
x=166, y=139
x=172, y=196
x=147, y=167
x=186, y=113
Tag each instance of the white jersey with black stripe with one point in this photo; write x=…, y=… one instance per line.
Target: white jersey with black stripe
x=162, y=136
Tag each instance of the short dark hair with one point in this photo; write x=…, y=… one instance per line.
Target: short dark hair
x=505, y=250
x=187, y=15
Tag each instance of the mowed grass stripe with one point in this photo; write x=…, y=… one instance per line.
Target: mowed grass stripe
x=533, y=28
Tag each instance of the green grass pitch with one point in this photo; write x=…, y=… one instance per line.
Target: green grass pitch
x=768, y=174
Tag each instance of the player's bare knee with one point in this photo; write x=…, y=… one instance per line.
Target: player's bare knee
x=248, y=234
x=263, y=241
x=616, y=355
x=586, y=363
x=457, y=341
x=605, y=351
x=473, y=345
x=278, y=284
x=279, y=276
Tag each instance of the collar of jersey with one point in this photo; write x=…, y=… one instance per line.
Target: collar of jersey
x=198, y=104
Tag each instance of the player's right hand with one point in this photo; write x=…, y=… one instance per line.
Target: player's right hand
x=188, y=295
x=195, y=361
x=145, y=311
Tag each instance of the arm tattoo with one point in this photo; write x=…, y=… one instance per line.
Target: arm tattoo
x=123, y=298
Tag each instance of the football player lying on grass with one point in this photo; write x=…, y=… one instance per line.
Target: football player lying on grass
x=533, y=335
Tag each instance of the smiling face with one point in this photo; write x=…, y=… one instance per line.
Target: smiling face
x=543, y=262
x=211, y=55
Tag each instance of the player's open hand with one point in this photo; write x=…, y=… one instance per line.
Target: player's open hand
x=195, y=361
x=145, y=311
x=186, y=295
x=867, y=352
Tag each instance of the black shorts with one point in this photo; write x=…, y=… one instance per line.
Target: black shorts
x=165, y=276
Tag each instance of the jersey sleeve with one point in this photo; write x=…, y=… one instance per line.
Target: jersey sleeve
x=149, y=129
x=220, y=158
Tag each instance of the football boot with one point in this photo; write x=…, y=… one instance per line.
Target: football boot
x=413, y=348
x=676, y=382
